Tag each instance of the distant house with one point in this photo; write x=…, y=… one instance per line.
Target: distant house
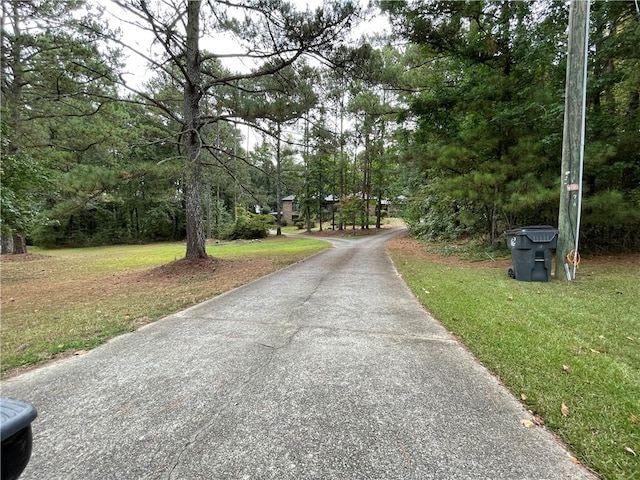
x=289, y=209
x=291, y=214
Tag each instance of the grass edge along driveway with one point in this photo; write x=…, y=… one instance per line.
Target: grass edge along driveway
x=64, y=302
x=569, y=351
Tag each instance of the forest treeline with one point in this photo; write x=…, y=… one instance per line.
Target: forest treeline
x=456, y=118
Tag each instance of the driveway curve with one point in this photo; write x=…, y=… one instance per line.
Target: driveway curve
x=329, y=369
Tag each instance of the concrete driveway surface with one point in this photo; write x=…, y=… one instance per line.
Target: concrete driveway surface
x=329, y=369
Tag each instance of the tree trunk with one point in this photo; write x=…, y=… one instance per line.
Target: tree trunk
x=208, y=200
x=195, y=232
x=14, y=100
x=381, y=163
x=191, y=140
x=278, y=184
x=307, y=202
x=19, y=245
x=342, y=162
x=6, y=244
x=366, y=186
x=494, y=220
x=320, y=196
x=12, y=104
x=379, y=210
x=14, y=244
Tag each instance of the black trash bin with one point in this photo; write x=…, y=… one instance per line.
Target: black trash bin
x=15, y=432
x=531, y=251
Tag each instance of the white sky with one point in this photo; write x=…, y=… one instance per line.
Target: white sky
x=138, y=70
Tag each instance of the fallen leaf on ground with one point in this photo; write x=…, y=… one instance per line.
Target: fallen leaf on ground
x=634, y=419
x=523, y=396
x=80, y=352
x=527, y=423
x=630, y=451
x=565, y=410
x=575, y=461
x=565, y=368
x=538, y=420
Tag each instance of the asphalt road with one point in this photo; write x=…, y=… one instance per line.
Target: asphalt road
x=329, y=369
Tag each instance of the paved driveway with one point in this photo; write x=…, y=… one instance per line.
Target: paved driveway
x=329, y=369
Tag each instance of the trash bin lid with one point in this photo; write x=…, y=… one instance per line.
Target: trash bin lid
x=15, y=416
x=523, y=230
x=535, y=233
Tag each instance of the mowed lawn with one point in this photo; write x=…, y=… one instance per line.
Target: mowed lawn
x=569, y=351
x=62, y=302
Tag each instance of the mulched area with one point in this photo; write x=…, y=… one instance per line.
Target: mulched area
x=187, y=266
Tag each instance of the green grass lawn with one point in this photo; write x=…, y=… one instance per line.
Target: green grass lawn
x=57, y=302
x=555, y=343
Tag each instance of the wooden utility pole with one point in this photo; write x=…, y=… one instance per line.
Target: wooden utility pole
x=573, y=140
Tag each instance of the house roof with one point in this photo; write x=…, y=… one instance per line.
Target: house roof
x=334, y=198
x=328, y=198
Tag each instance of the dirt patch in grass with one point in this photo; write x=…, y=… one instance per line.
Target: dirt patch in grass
x=630, y=259
x=418, y=250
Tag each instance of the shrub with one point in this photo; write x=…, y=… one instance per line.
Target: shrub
x=267, y=219
x=248, y=227
x=432, y=215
